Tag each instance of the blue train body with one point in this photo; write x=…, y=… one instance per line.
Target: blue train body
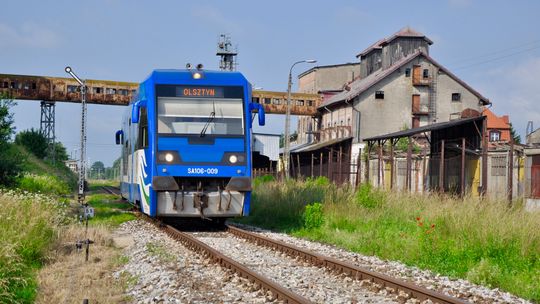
x=186, y=144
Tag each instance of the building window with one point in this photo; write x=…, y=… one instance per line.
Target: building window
x=494, y=136
x=407, y=72
x=456, y=96
x=379, y=95
x=425, y=74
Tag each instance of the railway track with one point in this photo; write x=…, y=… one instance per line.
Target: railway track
x=279, y=292
x=111, y=190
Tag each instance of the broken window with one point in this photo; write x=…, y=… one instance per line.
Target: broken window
x=34, y=86
x=379, y=95
x=72, y=89
x=300, y=102
x=456, y=96
x=97, y=90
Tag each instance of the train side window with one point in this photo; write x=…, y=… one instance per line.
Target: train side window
x=72, y=89
x=142, y=141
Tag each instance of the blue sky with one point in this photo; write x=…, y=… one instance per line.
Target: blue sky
x=492, y=45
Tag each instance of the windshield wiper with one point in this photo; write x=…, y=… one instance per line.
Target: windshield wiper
x=210, y=119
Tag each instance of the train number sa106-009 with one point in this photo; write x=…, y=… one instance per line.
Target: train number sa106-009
x=202, y=171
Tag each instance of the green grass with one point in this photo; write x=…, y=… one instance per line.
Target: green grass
x=29, y=224
x=109, y=210
x=483, y=241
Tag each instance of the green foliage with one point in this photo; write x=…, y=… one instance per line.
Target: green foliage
x=29, y=224
x=313, y=216
x=60, y=153
x=263, y=179
x=11, y=164
x=321, y=181
x=33, y=141
x=454, y=237
x=485, y=273
x=43, y=184
x=515, y=136
x=367, y=197
x=109, y=210
x=6, y=118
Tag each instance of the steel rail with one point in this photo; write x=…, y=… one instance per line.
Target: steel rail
x=414, y=291
x=278, y=291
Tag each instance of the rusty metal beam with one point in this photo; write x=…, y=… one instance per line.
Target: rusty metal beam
x=120, y=93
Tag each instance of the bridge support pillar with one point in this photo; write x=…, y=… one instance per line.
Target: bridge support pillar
x=46, y=126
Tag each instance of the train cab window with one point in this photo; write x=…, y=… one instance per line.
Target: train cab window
x=142, y=141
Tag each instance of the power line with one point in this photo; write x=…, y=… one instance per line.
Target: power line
x=522, y=45
x=495, y=59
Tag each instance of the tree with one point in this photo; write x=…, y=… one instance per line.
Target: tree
x=60, y=152
x=6, y=118
x=97, y=169
x=10, y=159
x=34, y=141
x=516, y=137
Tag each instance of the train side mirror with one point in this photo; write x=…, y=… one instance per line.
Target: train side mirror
x=136, y=110
x=119, y=137
x=260, y=109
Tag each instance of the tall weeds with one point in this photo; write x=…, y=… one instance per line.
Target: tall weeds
x=27, y=222
x=483, y=241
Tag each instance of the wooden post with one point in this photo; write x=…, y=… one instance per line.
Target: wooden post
x=391, y=164
x=312, y=161
x=510, y=171
x=330, y=155
x=293, y=173
x=367, y=162
x=441, y=168
x=409, y=164
x=298, y=163
x=358, y=168
x=462, y=167
x=321, y=164
x=379, y=165
x=340, y=162
x=484, y=158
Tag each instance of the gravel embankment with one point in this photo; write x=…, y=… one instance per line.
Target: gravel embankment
x=160, y=270
x=453, y=287
x=312, y=282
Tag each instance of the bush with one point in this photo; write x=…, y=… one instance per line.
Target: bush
x=263, y=179
x=313, y=216
x=10, y=164
x=369, y=198
x=33, y=141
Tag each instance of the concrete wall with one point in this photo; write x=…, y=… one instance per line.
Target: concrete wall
x=445, y=106
x=394, y=112
x=328, y=78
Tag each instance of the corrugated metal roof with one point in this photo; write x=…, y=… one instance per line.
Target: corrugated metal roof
x=407, y=32
x=361, y=85
x=320, y=145
x=428, y=128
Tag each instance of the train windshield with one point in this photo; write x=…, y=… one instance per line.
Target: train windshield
x=216, y=116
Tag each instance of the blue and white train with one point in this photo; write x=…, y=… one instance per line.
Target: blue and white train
x=186, y=144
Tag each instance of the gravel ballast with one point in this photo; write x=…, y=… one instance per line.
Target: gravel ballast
x=459, y=288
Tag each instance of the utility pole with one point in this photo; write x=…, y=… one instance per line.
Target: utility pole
x=287, y=143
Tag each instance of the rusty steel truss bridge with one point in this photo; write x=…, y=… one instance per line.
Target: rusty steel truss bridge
x=50, y=90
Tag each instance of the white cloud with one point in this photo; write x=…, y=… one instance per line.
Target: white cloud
x=29, y=35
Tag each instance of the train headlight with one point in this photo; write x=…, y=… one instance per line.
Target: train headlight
x=233, y=159
x=169, y=157
x=197, y=75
